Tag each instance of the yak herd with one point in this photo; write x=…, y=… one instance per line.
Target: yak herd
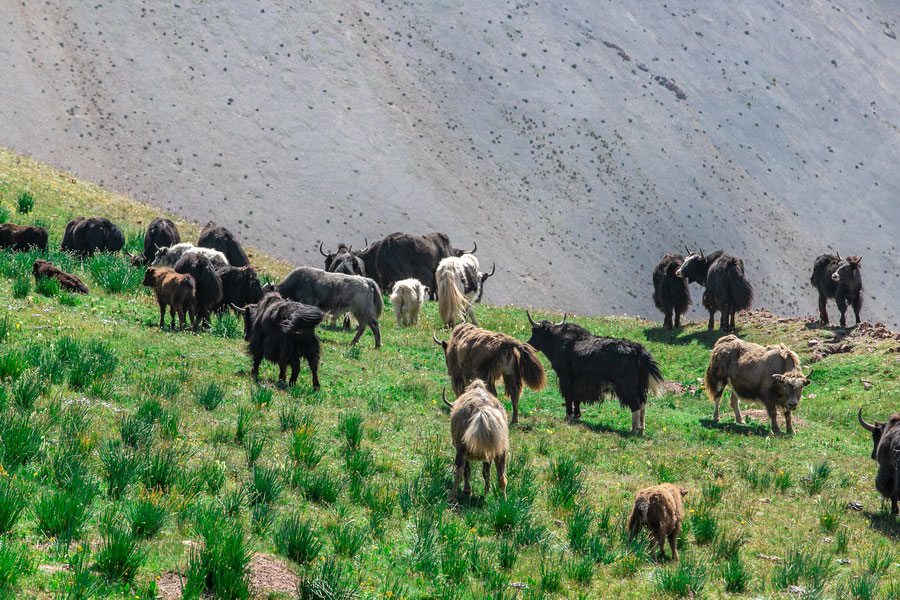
x=280, y=322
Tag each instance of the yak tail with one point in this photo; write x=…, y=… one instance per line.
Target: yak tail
x=451, y=303
x=378, y=301
x=638, y=516
x=531, y=369
x=654, y=377
x=487, y=435
x=739, y=289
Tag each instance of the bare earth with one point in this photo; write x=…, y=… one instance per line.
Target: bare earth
x=576, y=141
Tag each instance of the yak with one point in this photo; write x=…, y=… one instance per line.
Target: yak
x=407, y=298
x=218, y=238
x=67, y=281
x=475, y=353
x=727, y=289
x=590, y=366
x=22, y=237
x=161, y=233
x=671, y=294
x=346, y=262
x=282, y=331
x=886, y=452
x=660, y=509
x=479, y=432
x=766, y=375
x=208, y=284
x=838, y=278
x=336, y=293
x=240, y=286
x=168, y=256
x=85, y=235
x=175, y=290
x=460, y=286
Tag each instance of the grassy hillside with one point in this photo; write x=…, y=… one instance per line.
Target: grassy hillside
x=111, y=426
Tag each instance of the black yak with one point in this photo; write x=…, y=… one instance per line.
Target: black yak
x=460, y=286
x=840, y=279
x=175, y=290
x=886, y=452
x=161, y=233
x=208, y=284
x=766, y=375
x=343, y=261
x=240, y=286
x=218, y=238
x=86, y=235
x=590, y=366
x=727, y=289
x=67, y=281
x=282, y=331
x=22, y=237
x=475, y=353
x=671, y=294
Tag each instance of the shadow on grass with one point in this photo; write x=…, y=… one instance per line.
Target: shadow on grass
x=884, y=523
x=706, y=338
x=759, y=429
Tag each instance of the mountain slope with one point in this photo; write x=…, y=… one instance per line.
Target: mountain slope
x=576, y=142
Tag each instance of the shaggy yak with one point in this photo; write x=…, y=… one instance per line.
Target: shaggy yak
x=336, y=293
x=283, y=332
x=84, y=236
x=240, y=286
x=840, y=279
x=218, y=238
x=479, y=431
x=67, y=281
x=590, y=366
x=766, y=375
x=660, y=509
x=407, y=298
x=670, y=292
x=22, y=237
x=161, y=233
x=208, y=284
x=459, y=286
x=346, y=262
x=886, y=452
x=727, y=290
x=175, y=291
x=168, y=256
x=474, y=353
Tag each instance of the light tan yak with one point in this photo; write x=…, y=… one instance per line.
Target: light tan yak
x=479, y=431
x=660, y=509
x=766, y=375
x=475, y=353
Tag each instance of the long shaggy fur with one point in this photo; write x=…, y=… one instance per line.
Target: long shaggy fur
x=479, y=431
x=659, y=508
x=21, y=237
x=841, y=279
x=161, y=233
x=407, y=298
x=86, y=235
x=240, y=286
x=670, y=292
x=727, y=289
x=221, y=239
x=208, y=283
x=169, y=256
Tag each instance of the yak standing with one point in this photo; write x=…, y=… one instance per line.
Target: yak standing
x=460, y=286
x=479, y=431
x=671, y=294
x=240, y=286
x=838, y=278
x=85, y=235
x=727, y=289
x=208, y=284
x=660, y=509
x=407, y=298
x=474, y=353
x=161, y=233
x=886, y=452
x=218, y=238
x=346, y=262
x=175, y=290
x=590, y=366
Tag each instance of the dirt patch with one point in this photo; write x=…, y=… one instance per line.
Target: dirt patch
x=270, y=574
x=761, y=416
x=168, y=587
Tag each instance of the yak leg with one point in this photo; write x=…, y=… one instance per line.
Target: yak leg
x=295, y=370
x=657, y=536
x=773, y=417
x=376, y=331
x=162, y=315
x=500, y=463
x=513, y=385
x=637, y=421
x=471, y=312
x=643, y=414
x=467, y=483
x=823, y=309
x=712, y=320
x=254, y=372
x=282, y=370
x=359, y=332
x=787, y=422
x=313, y=363
x=181, y=318
x=460, y=464
x=486, y=473
x=736, y=407
x=842, y=306
x=673, y=537
x=857, y=305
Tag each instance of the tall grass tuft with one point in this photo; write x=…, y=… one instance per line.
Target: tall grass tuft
x=119, y=467
x=5, y=327
x=567, y=481
x=265, y=486
x=261, y=396
x=210, y=396
x=220, y=565
x=227, y=325
x=114, y=273
x=20, y=440
x=347, y=539
x=120, y=554
x=47, y=286
x=704, y=524
x=305, y=448
x=736, y=575
x=816, y=478
x=161, y=470
x=26, y=389
x=63, y=514
x=297, y=540
x=321, y=486
x=147, y=515
x=330, y=581
x=12, y=502
x=15, y=562
x=687, y=578
x=24, y=202
x=253, y=448
x=21, y=287
x=351, y=427
x=135, y=431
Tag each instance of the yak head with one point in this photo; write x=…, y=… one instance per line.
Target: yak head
x=877, y=430
x=36, y=267
x=137, y=260
x=483, y=277
x=459, y=253
x=694, y=267
x=791, y=385
x=542, y=333
x=248, y=312
x=269, y=288
x=440, y=343
x=848, y=271
x=161, y=255
x=329, y=256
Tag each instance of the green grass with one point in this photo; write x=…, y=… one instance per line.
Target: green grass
x=102, y=411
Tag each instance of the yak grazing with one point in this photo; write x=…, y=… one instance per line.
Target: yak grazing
x=459, y=286
x=218, y=238
x=84, y=236
x=240, y=286
x=727, y=289
x=168, y=256
x=671, y=294
x=474, y=353
x=336, y=293
x=161, y=233
x=67, y=281
x=590, y=366
x=21, y=237
x=766, y=375
x=479, y=432
x=208, y=284
x=175, y=290
x=660, y=509
x=407, y=298
x=886, y=452
x=838, y=278
x=282, y=331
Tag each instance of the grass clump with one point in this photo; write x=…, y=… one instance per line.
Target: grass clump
x=63, y=514
x=24, y=202
x=120, y=555
x=21, y=440
x=347, y=539
x=210, y=396
x=47, y=286
x=12, y=502
x=320, y=486
x=15, y=562
x=687, y=578
x=305, y=449
x=816, y=478
x=220, y=565
x=351, y=427
x=330, y=581
x=161, y=470
x=114, y=273
x=815, y=569
x=147, y=515
x=21, y=287
x=297, y=540
x=567, y=481
x=735, y=574
x=26, y=390
x=265, y=486
x=261, y=396
x=119, y=467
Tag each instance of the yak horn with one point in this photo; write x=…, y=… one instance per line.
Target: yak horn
x=475, y=248
x=862, y=422
x=436, y=341
x=839, y=256
x=321, y=251
x=486, y=275
x=530, y=320
x=240, y=309
x=702, y=255
x=444, y=398
x=686, y=249
x=564, y=319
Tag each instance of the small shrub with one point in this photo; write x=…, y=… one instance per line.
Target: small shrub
x=266, y=486
x=331, y=581
x=735, y=574
x=297, y=540
x=120, y=555
x=47, y=286
x=147, y=515
x=351, y=427
x=210, y=396
x=347, y=539
x=120, y=468
x=21, y=287
x=687, y=578
x=24, y=202
x=12, y=502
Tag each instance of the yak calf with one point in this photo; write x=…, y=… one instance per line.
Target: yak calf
x=660, y=509
x=175, y=290
x=67, y=281
x=407, y=298
x=479, y=431
x=670, y=292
